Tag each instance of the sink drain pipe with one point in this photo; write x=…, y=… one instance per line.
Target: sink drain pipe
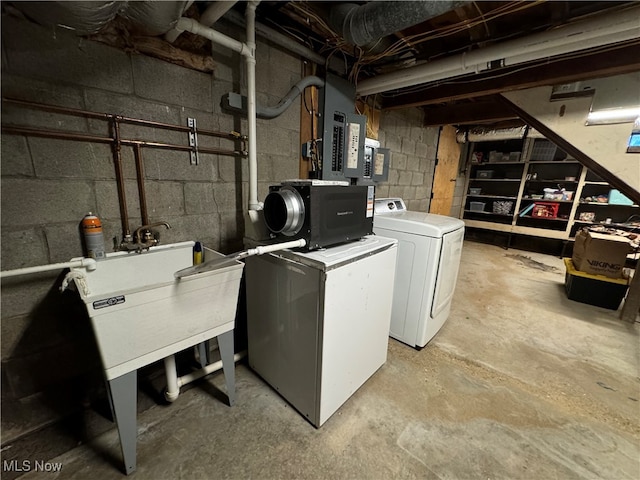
x=174, y=382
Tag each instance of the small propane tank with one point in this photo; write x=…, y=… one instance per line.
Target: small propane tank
x=93, y=238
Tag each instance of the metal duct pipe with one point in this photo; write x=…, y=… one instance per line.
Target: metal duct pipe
x=361, y=25
x=88, y=17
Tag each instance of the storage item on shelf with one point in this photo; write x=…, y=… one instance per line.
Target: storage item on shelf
x=617, y=198
x=477, y=206
x=595, y=290
x=545, y=150
x=484, y=174
x=474, y=191
x=515, y=156
x=545, y=210
x=587, y=216
x=502, y=207
x=600, y=253
x=557, y=194
x=553, y=194
x=495, y=156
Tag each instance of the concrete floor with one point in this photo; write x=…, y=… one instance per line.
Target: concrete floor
x=521, y=383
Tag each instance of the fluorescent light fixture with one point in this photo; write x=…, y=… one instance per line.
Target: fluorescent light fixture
x=613, y=115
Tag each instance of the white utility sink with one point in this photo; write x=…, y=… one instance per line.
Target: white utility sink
x=141, y=313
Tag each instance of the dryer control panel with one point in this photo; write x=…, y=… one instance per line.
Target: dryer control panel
x=388, y=206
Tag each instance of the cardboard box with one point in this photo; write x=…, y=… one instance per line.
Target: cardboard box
x=600, y=254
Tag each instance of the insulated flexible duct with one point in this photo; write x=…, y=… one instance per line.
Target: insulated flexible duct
x=361, y=25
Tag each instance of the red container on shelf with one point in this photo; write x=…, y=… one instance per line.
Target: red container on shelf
x=545, y=210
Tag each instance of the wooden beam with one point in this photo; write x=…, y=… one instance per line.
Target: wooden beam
x=616, y=60
x=632, y=302
x=486, y=110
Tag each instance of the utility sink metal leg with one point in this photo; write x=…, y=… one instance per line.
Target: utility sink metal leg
x=123, y=392
x=203, y=353
x=225, y=343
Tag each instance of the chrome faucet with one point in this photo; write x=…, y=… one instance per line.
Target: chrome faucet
x=147, y=234
x=143, y=238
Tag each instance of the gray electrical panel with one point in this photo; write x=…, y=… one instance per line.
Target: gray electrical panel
x=375, y=163
x=343, y=132
x=343, y=151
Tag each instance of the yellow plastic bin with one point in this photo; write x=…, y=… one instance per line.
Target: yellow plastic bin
x=595, y=290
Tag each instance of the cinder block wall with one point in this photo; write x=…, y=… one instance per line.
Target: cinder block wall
x=413, y=153
x=49, y=361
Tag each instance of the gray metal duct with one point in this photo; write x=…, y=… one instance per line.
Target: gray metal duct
x=88, y=17
x=361, y=25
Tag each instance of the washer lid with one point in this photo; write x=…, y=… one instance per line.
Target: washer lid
x=418, y=223
x=336, y=256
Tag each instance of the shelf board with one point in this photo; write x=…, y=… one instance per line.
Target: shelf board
x=613, y=225
x=546, y=218
x=553, y=181
x=554, y=162
x=484, y=195
x=546, y=200
x=499, y=227
x=595, y=183
x=608, y=204
x=495, y=179
x=490, y=213
x=540, y=232
x=497, y=163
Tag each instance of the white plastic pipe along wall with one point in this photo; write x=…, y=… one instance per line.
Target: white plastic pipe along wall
x=247, y=50
x=602, y=30
x=89, y=263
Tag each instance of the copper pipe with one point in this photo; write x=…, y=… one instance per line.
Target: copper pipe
x=19, y=130
x=185, y=148
x=122, y=119
x=117, y=160
x=137, y=153
x=32, y=132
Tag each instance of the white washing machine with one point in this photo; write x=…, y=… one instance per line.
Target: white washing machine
x=429, y=249
x=318, y=322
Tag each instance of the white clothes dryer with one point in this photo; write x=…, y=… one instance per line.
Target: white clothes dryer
x=429, y=250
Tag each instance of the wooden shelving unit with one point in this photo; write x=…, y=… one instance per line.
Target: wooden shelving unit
x=543, y=166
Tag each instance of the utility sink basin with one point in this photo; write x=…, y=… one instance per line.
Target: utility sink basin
x=141, y=313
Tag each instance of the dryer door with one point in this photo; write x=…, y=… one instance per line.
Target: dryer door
x=447, y=271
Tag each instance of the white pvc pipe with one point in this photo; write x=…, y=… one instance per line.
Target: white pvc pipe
x=601, y=30
x=173, y=385
x=247, y=50
x=215, y=11
x=89, y=263
x=211, y=368
x=190, y=25
x=250, y=14
x=262, y=249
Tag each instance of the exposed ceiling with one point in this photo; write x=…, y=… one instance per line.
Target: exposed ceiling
x=367, y=41
x=466, y=27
